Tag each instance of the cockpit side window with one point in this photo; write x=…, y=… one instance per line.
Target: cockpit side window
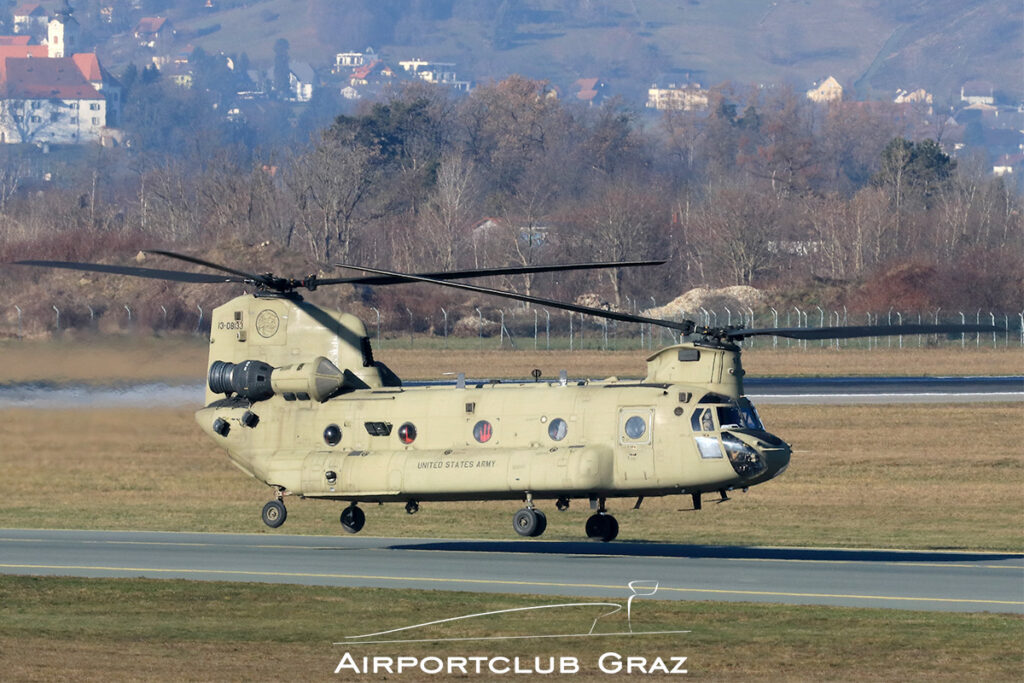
x=702, y=420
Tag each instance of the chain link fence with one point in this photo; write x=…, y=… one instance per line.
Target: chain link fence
x=538, y=328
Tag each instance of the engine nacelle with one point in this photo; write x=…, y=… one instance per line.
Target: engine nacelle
x=255, y=380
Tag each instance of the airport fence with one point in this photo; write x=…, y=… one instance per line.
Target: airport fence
x=537, y=328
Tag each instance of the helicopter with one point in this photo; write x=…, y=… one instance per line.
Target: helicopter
x=296, y=398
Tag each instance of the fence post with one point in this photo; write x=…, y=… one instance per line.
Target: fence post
x=821, y=321
x=129, y=314
x=899, y=316
x=445, y=314
x=501, y=332
x=54, y=307
x=547, y=329
x=378, y=324
x=18, y=309
x=775, y=322
x=977, y=335
x=480, y=329
x=410, y=325
x=571, y=316
x=993, y=317
x=728, y=313
x=536, y=321
x=199, y=323
x=1021, y=314
x=164, y=309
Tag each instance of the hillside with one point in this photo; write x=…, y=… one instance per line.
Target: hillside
x=874, y=45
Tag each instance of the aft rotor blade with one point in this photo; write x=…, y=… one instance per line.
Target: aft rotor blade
x=685, y=326
x=859, y=331
x=481, y=272
x=207, y=264
x=154, y=273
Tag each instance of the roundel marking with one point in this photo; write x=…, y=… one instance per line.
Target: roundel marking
x=267, y=323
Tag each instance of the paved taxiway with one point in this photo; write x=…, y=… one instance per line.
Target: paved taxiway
x=946, y=581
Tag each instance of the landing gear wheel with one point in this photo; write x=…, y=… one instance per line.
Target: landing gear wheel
x=529, y=522
x=274, y=514
x=352, y=519
x=542, y=523
x=602, y=527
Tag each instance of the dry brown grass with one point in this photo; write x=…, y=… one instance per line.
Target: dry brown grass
x=915, y=476
x=126, y=359
x=136, y=629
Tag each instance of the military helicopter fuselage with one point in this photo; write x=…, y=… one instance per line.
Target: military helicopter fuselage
x=296, y=398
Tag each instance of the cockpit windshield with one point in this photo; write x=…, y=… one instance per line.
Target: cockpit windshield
x=740, y=414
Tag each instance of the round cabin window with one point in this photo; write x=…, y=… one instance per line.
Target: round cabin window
x=558, y=429
x=332, y=435
x=636, y=427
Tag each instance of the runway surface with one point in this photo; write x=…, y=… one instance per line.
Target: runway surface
x=938, y=581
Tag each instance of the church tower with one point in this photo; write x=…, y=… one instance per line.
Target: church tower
x=63, y=33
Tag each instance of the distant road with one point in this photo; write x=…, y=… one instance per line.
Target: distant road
x=938, y=581
x=791, y=390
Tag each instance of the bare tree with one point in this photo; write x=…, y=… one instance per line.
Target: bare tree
x=330, y=184
x=449, y=211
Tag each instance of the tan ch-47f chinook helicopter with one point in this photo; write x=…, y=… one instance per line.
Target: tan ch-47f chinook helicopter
x=296, y=398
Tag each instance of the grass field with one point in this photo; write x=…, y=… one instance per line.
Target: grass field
x=912, y=476
x=136, y=358
x=105, y=629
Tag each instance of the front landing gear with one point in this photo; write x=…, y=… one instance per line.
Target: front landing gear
x=530, y=522
x=274, y=514
x=352, y=519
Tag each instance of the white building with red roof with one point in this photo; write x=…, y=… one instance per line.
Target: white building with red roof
x=46, y=97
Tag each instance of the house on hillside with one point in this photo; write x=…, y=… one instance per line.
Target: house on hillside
x=690, y=97
x=350, y=60
x=441, y=73
x=920, y=98
x=156, y=33
x=977, y=92
x=1008, y=164
x=301, y=81
x=590, y=90
x=30, y=18
x=828, y=91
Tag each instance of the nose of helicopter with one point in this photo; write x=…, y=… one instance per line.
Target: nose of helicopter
x=756, y=455
x=776, y=460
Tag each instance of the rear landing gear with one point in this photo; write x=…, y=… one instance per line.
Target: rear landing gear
x=530, y=522
x=274, y=514
x=352, y=519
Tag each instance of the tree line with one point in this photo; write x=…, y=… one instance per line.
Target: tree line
x=820, y=205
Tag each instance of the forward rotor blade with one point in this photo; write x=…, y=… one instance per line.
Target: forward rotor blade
x=481, y=272
x=685, y=326
x=859, y=331
x=154, y=273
